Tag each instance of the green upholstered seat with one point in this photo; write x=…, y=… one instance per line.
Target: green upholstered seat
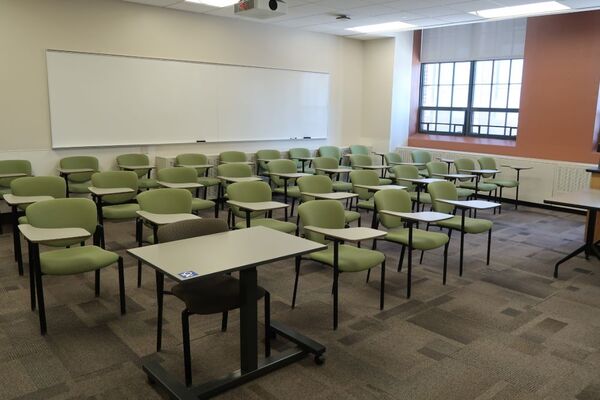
x=4, y=191
x=472, y=225
x=286, y=167
x=331, y=152
x=234, y=170
x=463, y=164
x=360, y=159
x=292, y=191
x=79, y=182
x=364, y=177
x=351, y=258
x=201, y=204
x=185, y=175
x=266, y=155
x=323, y=184
x=76, y=260
x=422, y=240
x=411, y=172
x=490, y=163
x=438, y=167
x=481, y=187
x=54, y=186
x=421, y=156
x=282, y=226
x=23, y=220
x=232, y=157
x=328, y=162
x=298, y=152
x=166, y=201
x=359, y=149
x=391, y=158
x=12, y=167
x=145, y=181
x=197, y=159
x=118, y=206
x=120, y=211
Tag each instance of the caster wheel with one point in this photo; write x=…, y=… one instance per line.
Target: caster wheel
x=319, y=360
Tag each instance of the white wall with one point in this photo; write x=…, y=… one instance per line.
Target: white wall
x=29, y=27
x=401, y=91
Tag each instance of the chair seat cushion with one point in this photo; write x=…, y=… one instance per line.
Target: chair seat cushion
x=208, y=181
x=211, y=295
x=422, y=240
x=120, y=211
x=385, y=181
x=76, y=260
x=306, y=170
x=472, y=225
x=424, y=172
x=366, y=204
x=281, y=226
x=482, y=187
x=201, y=204
x=79, y=187
x=4, y=191
x=462, y=192
x=423, y=197
x=351, y=258
x=148, y=183
x=23, y=220
x=351, y=216
x=292, y=191
x=340, y=186
x=503, y=182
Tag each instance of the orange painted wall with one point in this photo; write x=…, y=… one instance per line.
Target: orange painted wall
x=559, y=96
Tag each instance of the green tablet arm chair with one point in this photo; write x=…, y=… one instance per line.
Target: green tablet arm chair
x=331, y=152
x=79, y=182
x=356, y=160
x=198, y=159
x=423, y=157
x=301, y=152
x=332, y=163
x=392, y=159
x=400, y=201
x=463, y=164
x=186, y=175
x=286, y=167
x=330, y=214
x=145, y=181
x=364, y=177
x=116, y=206
x=411, y=172
x=438, y=167
x=254, y=192
x=265, y=155
x=233, y=157
x=322, y=184
x=12, y=167
x=359, y=149
x=490, y=163
x=211, y=295
x=447, y=191
x=69, y=213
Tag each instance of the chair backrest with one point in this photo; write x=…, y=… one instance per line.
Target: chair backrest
x=177, y=175
x=80, y=162
x=487, y=163
x=248, y=192
x=54, y=186
x=442, y=190
x=314, y=184
x=297, y=152
x=420, y=156
x=462, y=164
x=134, y=159
x=392, y=158
x=321, y=213
x=192, y=159
x=360, y=159
x=392, y=200
x=191, y=228
x=232, y=156
x=166, y=201
x=116, y=179
x=13, y=166
x=363, y=177
x=405, y=171
x=63, y=213
x=359, y=149
x=325, y=162
x=281, y=166
x=331, y=151
x=436, y=167
x=266, y=155
x=234, y=170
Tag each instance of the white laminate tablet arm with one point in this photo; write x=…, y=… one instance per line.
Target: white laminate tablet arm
x=38, y=235
x=347, y=234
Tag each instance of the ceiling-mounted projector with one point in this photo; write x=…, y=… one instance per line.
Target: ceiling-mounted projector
x=260, y=8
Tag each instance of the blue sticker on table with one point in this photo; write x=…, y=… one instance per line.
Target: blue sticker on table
x=187, y=274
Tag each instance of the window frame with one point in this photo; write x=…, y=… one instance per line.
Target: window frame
x=469, y=110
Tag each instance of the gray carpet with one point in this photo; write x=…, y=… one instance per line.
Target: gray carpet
x=507, y=331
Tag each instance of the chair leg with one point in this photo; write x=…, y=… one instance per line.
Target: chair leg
x=97, y=282
x=31, y=276
x=224, y=319
x=298, y=260
x=489, y=244
x=140, y=232
x=359, y=221
x=335, y=299
x=382, y=287
x=40, y=291
x=298, y=225
x=267, y=324
x=187, y=355
x=401, y=260
x=122, y=286
x=368, y=274
x=500, y=201
x=445, y=261
x=292, y=208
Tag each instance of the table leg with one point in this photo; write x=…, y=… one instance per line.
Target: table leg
x=303, y=162
x=589, y=247
x=517, y=191
x=160, y=286
x=374, y=220
x=462, y=241
x=17, y=239
x=248, y=324
x=247, y=218
x=285, y=196
x=410, y=249
x=66, y=176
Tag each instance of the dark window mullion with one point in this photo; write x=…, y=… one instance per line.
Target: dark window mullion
x=469, y=112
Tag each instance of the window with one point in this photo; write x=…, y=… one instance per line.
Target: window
x=475, y=98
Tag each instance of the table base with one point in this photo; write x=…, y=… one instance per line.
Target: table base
x=177, y=390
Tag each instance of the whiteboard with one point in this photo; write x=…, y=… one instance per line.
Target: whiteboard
x=107, y=100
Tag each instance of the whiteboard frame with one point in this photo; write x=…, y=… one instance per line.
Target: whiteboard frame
x=185, y=61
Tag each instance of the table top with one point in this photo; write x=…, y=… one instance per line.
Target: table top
x=289, y=175
x=106, y=191
x=67, y=171
x=195, y=165
x=13, y=200
x=37, y=235
x=334, y=170
x=134, y=167
x=13, y=175
x=331, y=196
x=423, y=181
x=424, y=216
x=375, y=188
x=305, y=158
x=163, y=219
x=416, y=164
x=377, y=153
x=371, y=166
x=446, y=160
x=223, y=252
x=185, y=185
x=258, y=205
x=237, y=162
x=347, y=234
x=234, y=179
x=481, y=171
x=586, y=199
x=475, y=204
x=517, y=167
x=456, y=176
